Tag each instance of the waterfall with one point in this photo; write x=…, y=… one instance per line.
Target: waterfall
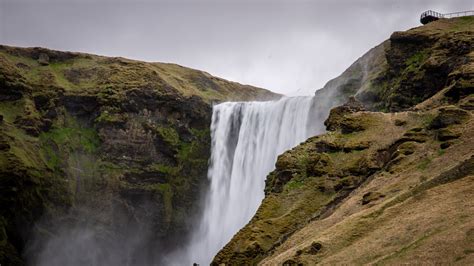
x=247, y=138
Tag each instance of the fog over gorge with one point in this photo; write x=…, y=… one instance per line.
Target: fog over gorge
x=159, y=132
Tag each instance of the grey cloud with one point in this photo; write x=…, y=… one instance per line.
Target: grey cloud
x=281, y=45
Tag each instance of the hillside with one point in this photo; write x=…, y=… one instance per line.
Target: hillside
x=108, y=151
x=392, y=180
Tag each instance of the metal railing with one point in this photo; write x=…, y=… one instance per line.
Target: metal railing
x=431, y=13
x=459, y=14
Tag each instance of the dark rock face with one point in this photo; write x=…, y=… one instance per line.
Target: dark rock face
x=142, y=158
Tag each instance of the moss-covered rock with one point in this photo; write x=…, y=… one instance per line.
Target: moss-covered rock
x=122, y=142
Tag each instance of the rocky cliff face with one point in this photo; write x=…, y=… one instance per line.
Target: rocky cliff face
x=107, y=150
x=380, y=186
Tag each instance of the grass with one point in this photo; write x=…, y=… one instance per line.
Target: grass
x=10, y=110
x=423, y=164
x=169, y=135
x=94, y=73
x=294, y=184
x=464, y=24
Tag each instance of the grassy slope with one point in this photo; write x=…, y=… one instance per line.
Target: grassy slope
x=379, y=187
x=412, y=213
x=81, y=72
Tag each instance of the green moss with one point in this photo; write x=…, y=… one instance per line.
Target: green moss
x=414, y=62
x=59, y=142
x=427, y=119
x=424, y=163
x=170, y=135
x=294, y=184
x=107, y=117
x=165, y=169
x=10, y=110
x=85, y=139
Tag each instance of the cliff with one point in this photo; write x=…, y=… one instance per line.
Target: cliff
x=111, y=146
x=392, y=179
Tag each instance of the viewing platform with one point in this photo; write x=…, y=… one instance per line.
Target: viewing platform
x=430, y=15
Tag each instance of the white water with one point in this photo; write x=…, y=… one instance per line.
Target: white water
x=247, y=138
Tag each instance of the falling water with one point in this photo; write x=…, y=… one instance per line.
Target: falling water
x=247, y=137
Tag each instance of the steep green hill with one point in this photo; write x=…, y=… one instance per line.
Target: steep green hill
x=381, y=187
x=108, y=144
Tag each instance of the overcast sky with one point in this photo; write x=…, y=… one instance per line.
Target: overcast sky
x=291, y=47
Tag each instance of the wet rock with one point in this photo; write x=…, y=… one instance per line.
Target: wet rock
x=449, y=116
